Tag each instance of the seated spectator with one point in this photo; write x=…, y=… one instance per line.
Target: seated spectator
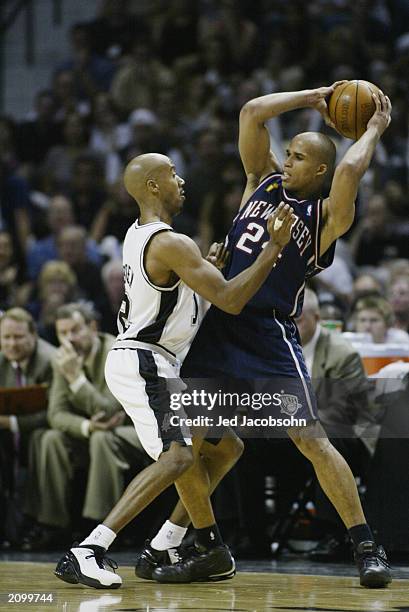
x=398, y=295
x=366, y=283
x=108, y=136
x=376, y=236
x=113, y=278
x=92, y=72
x=374, y=315
x=15, y=208
x=86, y=431
x=139, y=79
x=117, y=214
x=66, y=98
x=38, y=133
x=60, y=214
x=56, y=285
x=115, y=28
x=87, y=189
x=72, y=249
x=25, y=360
x=12, y=290
x=58, y=166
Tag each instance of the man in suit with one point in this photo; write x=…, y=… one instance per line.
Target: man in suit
x=86, y=431
x=25, y=359
x=344, y=409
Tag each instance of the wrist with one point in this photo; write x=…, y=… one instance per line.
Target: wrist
x=273, y=250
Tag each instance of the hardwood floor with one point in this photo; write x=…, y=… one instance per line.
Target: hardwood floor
x=247, y=592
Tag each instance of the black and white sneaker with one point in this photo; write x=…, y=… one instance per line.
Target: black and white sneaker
x=87, y=565
x=203, y=565
x=374, y=569
x=150, y=558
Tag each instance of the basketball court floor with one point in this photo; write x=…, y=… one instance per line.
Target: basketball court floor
x=277, y=586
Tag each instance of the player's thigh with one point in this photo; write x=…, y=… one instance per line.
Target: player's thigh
x=139, y=380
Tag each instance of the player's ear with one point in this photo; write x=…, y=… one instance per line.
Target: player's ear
x=152, y=186
x=322, y=169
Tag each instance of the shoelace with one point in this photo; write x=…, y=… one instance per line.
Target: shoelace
x=372, y=559
x=101, y=560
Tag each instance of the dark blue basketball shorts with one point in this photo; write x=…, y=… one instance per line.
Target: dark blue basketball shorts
x=250, y=367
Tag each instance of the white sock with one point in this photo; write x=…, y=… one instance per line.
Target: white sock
x=168, y=536
x=101, y=536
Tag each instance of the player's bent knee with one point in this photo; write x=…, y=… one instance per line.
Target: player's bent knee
x=177, y=459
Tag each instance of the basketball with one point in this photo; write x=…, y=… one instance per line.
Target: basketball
x=351, y=106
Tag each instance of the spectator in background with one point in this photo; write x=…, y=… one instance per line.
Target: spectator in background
x=140, y=78
x=56, y=285
x=376, y=237
x=112, y=274
x=108, y=136
x=398, y=295
x=114, y=30
x=87, y=189
x=202, y=180
x=66, y=98
x=92, y=73
x=365, y=283
x=116, y=215
x=60, y=214
x=58, y=167
x=15, y=208
x=38, y=133
x=374, y=315
x=179, y=31
x=72, y=249
x=86, y=431
x=25, y=360
x=12, y=290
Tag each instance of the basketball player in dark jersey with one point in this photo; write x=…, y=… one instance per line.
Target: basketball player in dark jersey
x=262, y=342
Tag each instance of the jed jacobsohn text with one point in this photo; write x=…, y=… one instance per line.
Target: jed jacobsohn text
x=236, y=421
x=208, y=401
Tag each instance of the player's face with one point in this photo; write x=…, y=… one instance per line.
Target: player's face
x=78, y=332
x=370, y=321
x=171, y=187
x=16, y=341
x=300, y=167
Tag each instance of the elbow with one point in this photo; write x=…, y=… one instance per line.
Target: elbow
x=249, y=110
x=231, y=308
x=351, y=169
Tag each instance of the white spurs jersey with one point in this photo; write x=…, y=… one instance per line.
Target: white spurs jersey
x=167, y=317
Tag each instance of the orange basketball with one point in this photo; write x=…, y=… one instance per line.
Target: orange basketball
x=351, y=106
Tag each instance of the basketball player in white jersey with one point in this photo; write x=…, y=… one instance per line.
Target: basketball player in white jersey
x=157, y=321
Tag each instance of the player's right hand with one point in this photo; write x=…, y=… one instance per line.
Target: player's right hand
x=279, y=224
x=382, y=115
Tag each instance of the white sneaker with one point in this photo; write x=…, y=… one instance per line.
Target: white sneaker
x=87, y=565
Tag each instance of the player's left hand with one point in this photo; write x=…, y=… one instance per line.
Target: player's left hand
x=68, y=362
x=319, y=98
x=218, y=255
x=279, y=224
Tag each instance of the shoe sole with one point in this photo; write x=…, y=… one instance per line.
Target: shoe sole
x=374, y=583
x=213, y=578
x=73, y=575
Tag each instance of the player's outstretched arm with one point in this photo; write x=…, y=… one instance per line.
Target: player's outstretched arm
x=181, y=255
x=339, y=207
x=254, y=141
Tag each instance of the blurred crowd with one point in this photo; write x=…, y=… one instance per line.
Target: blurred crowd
x=170, y=76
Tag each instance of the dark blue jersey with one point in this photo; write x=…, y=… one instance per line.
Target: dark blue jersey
x=284, y=288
